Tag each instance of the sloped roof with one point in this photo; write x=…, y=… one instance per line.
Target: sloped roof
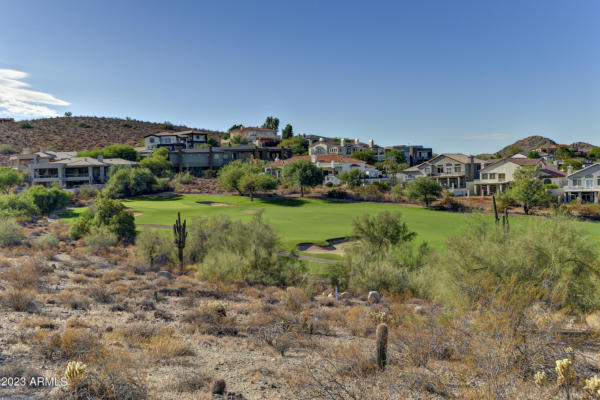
x=323, y=158
x=461, y=158
x=585, y=170
x=181, y=133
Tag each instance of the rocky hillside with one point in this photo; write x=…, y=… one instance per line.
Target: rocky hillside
x=78, y=133
x=524, y=145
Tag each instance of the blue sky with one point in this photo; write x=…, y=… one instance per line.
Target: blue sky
x=463, y=76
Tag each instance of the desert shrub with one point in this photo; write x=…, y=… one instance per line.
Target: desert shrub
x=126, y=182
x=9, y=178
x=398, y=193
x=232, y=251
x=19, y=206
x=555, y=256
x=590, y=211
x=165, y=346
x=184, y=178
x=100, y=293
x=81, y=226
x=87, y=192
x=112, y=215
x=450, y=202
x=7, y=149
x=383, y=229
x=337, y=194
x=25, y=125
x=71, y=343
x=149, y=245
x=100, y=238
x=73, y=300
x=11, y=233
x=371, y=192
x=158, y=163
x=47, y=241
x=20, y=299
x=191, y=381
x=423, y=189
x=112, y=151
x=211, y=319
x=329, y=184
x=162, y=185
x=48, y=200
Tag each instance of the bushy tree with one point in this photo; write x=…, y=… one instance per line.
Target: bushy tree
x=351, y=178
x=423, y=189
x=126, y=182
x=238, y=140
x=287, y=132
x=576, y=163
x=81, y=225
x=302, y=173
x=563, y=152
x=395, y=155
x=158, y=163
x=383, y=229
x=19, y=206
x=112, y=151
x=533, y=154
x=526, y=187
x=11, y=233
x=253, y=183
x=594, y=154
x=271, y=123
x=367, y=156
x=230, y=175
x=149, y=245
x=111, y=213
x=9, y=178
x=48, y=200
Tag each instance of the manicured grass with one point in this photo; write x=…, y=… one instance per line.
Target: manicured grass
x=306, y=220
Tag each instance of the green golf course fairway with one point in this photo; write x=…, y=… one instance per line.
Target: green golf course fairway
x=298, y=220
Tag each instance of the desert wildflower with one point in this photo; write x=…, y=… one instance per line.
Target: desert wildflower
x=565, y=372
x=593, y=384
x=540, y=378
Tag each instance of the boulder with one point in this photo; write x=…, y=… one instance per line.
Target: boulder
x=374, y=297
x=165, y=274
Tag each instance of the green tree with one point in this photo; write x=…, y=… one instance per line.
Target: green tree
x=238, y=140
x=271, y=123
x=298, y=144
x=526, y=188
x=253, y=183
x=594, y=154
x=576, y=163
x=123, y=151
x=158, y=163
x=367, y=156
x=563, y=152
x=213, y=142
x=383, y=229
x=48, y=200
x=423, y=189
x=149, y=246
x=302, y=173
x=514, y=150
x=395, y=155
x=126, y=182
x=351, y=178
x=231, y=174
x=533, y=154
x=287, y=132
x=235, y=126
x=111, y=213
x=9, y=178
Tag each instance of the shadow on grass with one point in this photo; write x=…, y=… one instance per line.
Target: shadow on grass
x=174, y=197
x=282, y=201
x=68, y=214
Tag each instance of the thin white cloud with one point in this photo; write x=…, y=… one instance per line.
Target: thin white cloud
x=16, y=100
x=489, y=136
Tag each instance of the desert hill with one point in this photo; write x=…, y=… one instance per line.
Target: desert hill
x=526, y=144
x=79, y=133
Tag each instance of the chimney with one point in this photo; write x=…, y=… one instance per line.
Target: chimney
x=313, y=158
x=371, y=143
x=343, y=142
x=356, y=141
x=100, y=158
x=569, y=170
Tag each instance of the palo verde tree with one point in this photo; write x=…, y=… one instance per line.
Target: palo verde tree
x=254, y=183
x=527, y=188
x=423, y=189
x=231, y=174
x=9, y=178
x=302, y=173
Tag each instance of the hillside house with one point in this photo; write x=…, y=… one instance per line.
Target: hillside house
x=72, y=172
x=345, y=147
x=413, y=155
x=258, y=136
x=454, y=171
x=583, y=185
x=21, y=161
x=496, y=177
x=175, y=140
x=332, y=165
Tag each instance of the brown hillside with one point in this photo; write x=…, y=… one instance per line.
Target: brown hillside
x=529, y=143
x=583, y=146
x=79, y=133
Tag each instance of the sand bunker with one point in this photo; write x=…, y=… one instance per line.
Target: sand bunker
x=336, y=246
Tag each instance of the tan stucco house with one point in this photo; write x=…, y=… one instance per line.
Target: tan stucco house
x=584, y=185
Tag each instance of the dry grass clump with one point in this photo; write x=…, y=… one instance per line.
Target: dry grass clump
x=39, y=321
x=71, y=343
x=294, y=299
x=73, y=300
x=191, y=381
x=165, y=346
x=138, y=333
x=211, y=319
x=100, y=294
x=26, y=275
x=21, y=300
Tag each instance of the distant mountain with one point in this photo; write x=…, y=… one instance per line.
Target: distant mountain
x=583, y=146
x=80, y=133
x=524, y=145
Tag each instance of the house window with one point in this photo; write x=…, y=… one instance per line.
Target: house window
x=484, y=176
x=492, y=176
x=576, y=182
x=456, y=167
x=501, y=177
x=598, y=183
x=151, y=140
x=440, y=169
x=449, y=169
x=428, y=170
x=589, y=183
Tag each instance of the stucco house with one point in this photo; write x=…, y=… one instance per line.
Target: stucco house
x=413, y=155
x=258, y=136
x=583, y=184
x=454, y=171
x=22, y=160
x=72, y=172
x=496, y=177
x=345, y=147
x=174, y=140
x=332, y=165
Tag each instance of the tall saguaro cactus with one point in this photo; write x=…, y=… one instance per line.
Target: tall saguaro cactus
x=496, y=219
x=382, y=339
x=180, y=234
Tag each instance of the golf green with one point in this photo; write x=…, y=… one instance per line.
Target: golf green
x=304, y=220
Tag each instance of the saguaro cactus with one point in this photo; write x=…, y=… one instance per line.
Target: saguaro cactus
x=495, y=210
x=180, y=234
x=506, y=217
x=382, y=339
